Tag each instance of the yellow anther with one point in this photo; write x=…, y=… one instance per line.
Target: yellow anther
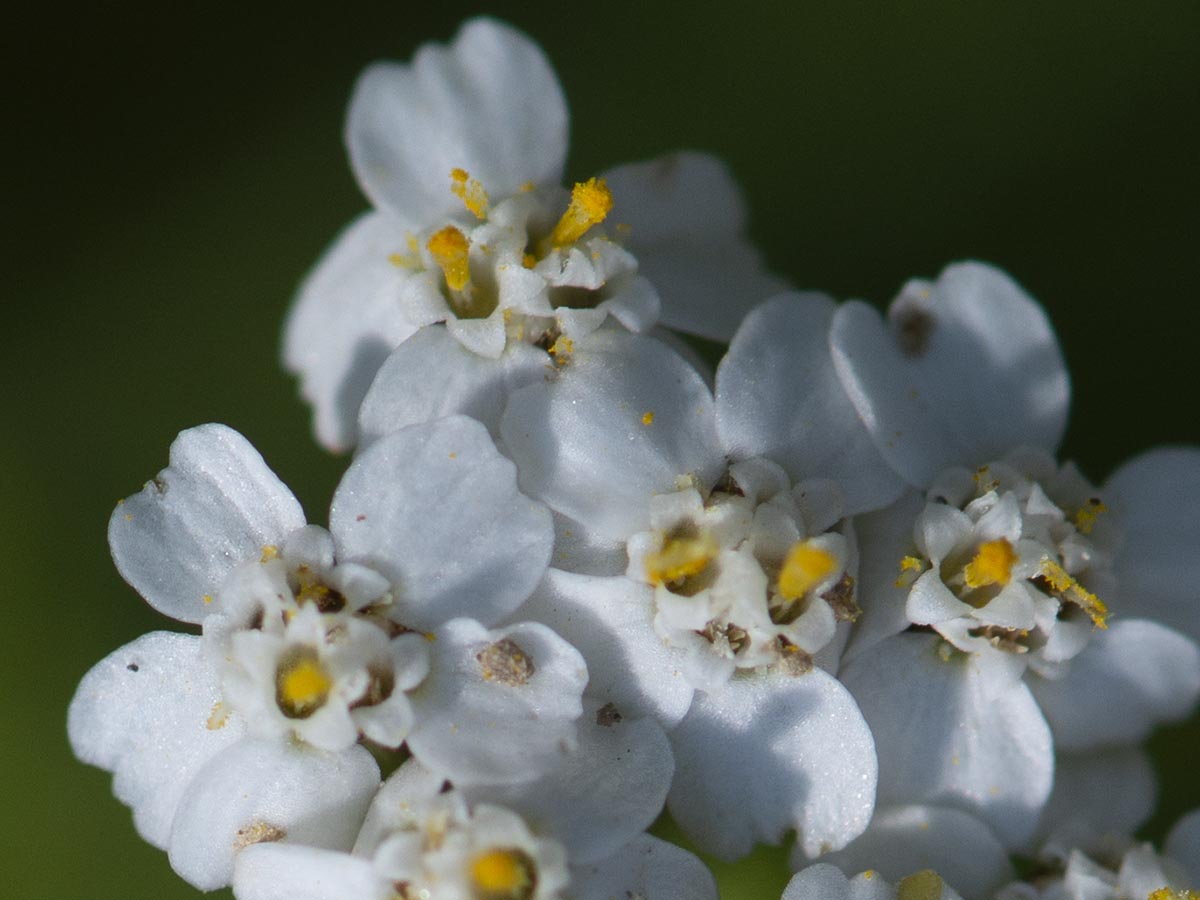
x=269, y=553
x=647, y=418
x=992, y=564
x=911, y=568
x=562, y=347
x=685, y=552
x=528, y=260
x=1072, y=591
x=450, y=249
x=924, y=885
x=502, y=874
x=590, y=204
x=806, y=566
x=301, y=684
x=1086, y=516
x=470, y=192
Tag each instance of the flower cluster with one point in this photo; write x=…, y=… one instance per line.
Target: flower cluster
x=840, y=586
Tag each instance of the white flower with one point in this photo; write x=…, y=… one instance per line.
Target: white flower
x=461, y=152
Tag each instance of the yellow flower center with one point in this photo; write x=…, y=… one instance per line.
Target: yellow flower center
x=503, y=874
x=686, y=552
x=301, y=684
x=992, y=564
x=806, y=566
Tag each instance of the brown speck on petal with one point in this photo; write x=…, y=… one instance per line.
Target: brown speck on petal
x=505, y=662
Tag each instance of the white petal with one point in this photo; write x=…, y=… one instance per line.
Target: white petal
x=645, y=867
x=771, y=752
x=488, y=103
x=611, y=622
x=150, y=713
x=432, y=375
x=345, y=320
x=1133, y=676
x=930, y=602
x=946, y=736
x=267, y=791
x=579, y=549
x=825, y=882
x=1153, y=499
x=687, y=221
x=214, y=506
x=399, y=805
x=474, y=726
x=625, y=417
x=1183, y=844
x=292, y=872
x=608, y=790
x=435, y=508
x=1099, y=793
x=965, y=370
x=779, y=396
x=907, y=839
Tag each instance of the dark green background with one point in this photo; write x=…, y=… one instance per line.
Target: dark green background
x=174, y=171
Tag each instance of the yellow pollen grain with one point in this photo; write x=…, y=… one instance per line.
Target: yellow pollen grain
x=269, y=553
x=647, y=418
x=992, y=564
x=499, y=872
x=305, y=685
x=1086, y=516
x=923, y=885
x=528, y=260
x=1072, y=591
x=562, y=347
x=470, y=192
x=680, y=558
x=806, y=566
x=591, y=202
x=450, y=249
x=207, y=599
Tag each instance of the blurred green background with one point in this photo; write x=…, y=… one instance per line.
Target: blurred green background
x=176, y=169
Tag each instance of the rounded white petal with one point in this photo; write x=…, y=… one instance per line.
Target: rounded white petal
x=966, y=369
x=488, y=103
x=292, y=872
x=952, y=733
x=345, y=320
x=687, y=221
x=611, y=622
x=214, y=506
x=769, y=752
x=265, y=791
x=645, y=867
x=479, y=722
x=779, y=396
x=432, y=375
x=625, y=417
x=1153, y=499
x=151, y=714
x=906, y=839
x=1128, y=679
x=1183, y=844
x=608, y=790
x=399, y=805
x=435, y=508
x=1097, y=794
x=825, y=882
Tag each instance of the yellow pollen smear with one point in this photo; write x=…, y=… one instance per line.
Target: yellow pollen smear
x=1165, y=893
x=470, y=192
x=991, y=565
x=911, y=568
x=680, y=557
x=923, y=885
x=648, y=418
x=562, y=347
x=1074, y=592
x=1086, y=516
x=450, y=250
x=806, y=566
x=590, y=204
x=303, y=686
x=500, y=873
x=269, y=553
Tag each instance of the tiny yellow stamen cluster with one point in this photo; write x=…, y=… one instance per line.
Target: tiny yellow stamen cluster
x=450, y=249
x=1086, y=515
x=502, y=874
x=911, y=568
x=562, y=348
x=1072, y=591
x=591, y=202
x=269, y=553
x=806, y=566
x=923, y=885
x=647, y=418
x=1166, y=893
x=470, y=192
x=682, y=555
x=992, y=564
x=301, y=685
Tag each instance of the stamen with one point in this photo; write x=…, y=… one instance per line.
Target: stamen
x=301, y=684
x=591, y=202
x=685, y=552
x=806, y=566
x=450, y=250
x=506, y=873
x=470, y=192
x=911, y=568
x=992, y=564
x=1072, y=591
x=1086, y=516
